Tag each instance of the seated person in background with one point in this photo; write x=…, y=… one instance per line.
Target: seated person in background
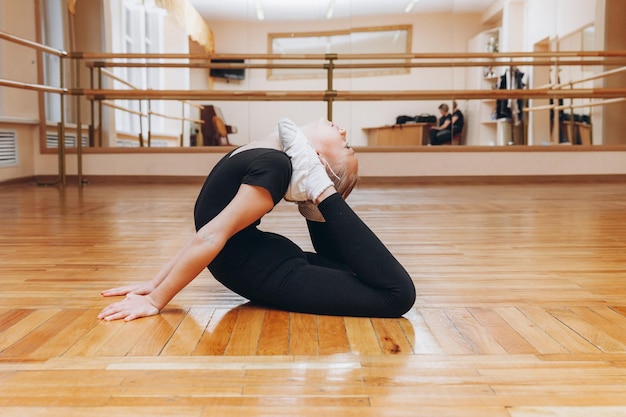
x=457, y=120
x=442, y=133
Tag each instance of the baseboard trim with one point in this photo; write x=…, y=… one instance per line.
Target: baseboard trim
x=192, y=179
x=127, y=179
x=18, y=181
x=495, y=179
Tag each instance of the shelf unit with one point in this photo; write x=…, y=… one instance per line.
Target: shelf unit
x=481, y=120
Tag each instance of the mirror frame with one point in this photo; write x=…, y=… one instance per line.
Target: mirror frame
x=334, y=42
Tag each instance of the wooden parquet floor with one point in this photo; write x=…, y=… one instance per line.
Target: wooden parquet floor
x=521, y=309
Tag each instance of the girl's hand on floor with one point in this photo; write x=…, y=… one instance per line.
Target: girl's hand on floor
x=130, y=308
x=143, y=288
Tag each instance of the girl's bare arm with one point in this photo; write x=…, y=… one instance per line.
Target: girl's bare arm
x=249, y=205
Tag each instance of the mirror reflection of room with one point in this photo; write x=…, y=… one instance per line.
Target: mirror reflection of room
x=423, y=27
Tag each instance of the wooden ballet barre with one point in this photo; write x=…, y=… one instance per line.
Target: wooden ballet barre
x=196, y=105
x=31, y=44
x=441, y=56
x=569, y=84
x=201, y=95
x=99, y=60
x=574, y=106
x=150, y=113
x=102, y=94
x=372, y=65
x=128, y=84
x=480, y=94
x=460, y=64
x=537, y=108
x=122, y=108
x=183, y=119
x=492, y=55
x=127, y=110
x=33, y=87
x=591, y=78
x=61, y=179
x=103, y=56
x=119, y=79
x=592, y=104
x=104, y=64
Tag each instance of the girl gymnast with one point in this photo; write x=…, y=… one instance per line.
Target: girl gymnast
x=351, y=273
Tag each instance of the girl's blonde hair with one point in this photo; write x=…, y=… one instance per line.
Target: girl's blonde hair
x=343, y=180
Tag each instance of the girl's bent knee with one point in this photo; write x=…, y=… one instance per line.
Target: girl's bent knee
x=402, y=300
x=406, y=302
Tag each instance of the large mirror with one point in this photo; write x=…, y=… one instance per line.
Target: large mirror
x=425, y=27
x=367, y=40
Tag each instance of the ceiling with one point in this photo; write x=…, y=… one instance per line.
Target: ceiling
x=277, y=10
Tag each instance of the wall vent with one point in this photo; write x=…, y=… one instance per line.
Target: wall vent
x=52, y=141
x=8, y=148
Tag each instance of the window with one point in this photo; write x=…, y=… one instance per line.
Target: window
x=141, y=22
x=52, y=11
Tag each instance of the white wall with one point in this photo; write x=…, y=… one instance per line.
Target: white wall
x=556, y=18
x=513, y=24
x=19, y=110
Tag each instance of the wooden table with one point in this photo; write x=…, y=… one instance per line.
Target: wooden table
x=410, y=134
x=577, y=133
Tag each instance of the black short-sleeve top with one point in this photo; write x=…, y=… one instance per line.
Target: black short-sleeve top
x=246, y=253
x=267, y=168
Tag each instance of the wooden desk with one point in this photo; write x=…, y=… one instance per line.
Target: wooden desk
x=576, y=133
x=410, y=134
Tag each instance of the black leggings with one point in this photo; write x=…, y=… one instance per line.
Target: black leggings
x=440, y=137
x=352, y=273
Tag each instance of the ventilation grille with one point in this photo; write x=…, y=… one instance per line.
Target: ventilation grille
x=154, y=143
x=124, y=143
x=8, y=148
x=52, y=141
